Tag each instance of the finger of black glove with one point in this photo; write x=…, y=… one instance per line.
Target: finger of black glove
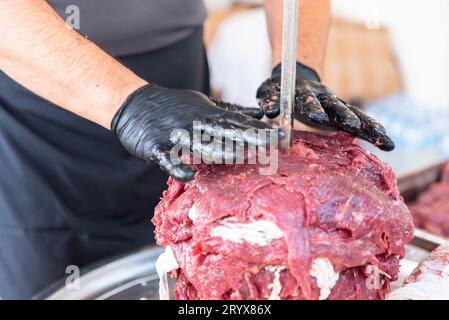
x=220, y=129
x=209, y=146
x=248, y=125
x=252, y=132
x=372, y=131
x=181, y=172
x=339, y=114
x=244, y=121
x=309, y=108
x=268, y=96
x=253, y=112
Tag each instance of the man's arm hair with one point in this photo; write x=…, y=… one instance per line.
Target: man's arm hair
x=39, y=51
x=314, y=21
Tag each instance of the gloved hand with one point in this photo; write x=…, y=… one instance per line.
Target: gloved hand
x=319, y=107
x=145, y=122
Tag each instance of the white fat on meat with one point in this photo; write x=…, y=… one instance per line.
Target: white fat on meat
x=258, y=232
x=165, y=263
x=275, y=286
x=323, y=271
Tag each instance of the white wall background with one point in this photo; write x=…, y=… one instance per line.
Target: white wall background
x=419, y=35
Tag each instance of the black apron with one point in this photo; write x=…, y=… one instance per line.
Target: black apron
x=69, y=193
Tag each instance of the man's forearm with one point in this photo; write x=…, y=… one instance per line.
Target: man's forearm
x=314, y=20
x=41, y=53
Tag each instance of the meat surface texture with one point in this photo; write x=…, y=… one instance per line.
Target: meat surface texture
x=431, y=210
x=330, y=224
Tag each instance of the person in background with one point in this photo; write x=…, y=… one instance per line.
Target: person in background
x=80, y=110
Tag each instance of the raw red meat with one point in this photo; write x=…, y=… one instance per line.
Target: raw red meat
x=337, y=214
x=431, y=210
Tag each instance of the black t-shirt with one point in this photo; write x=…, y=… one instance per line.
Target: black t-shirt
x=124, y=27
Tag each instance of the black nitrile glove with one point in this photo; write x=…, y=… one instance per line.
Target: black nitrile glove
x=145, y=122
x=319, y=107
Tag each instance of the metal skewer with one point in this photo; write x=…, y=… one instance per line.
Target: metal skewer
x=288, y=75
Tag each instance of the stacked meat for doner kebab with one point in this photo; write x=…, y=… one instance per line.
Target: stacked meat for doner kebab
x=329, y=224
